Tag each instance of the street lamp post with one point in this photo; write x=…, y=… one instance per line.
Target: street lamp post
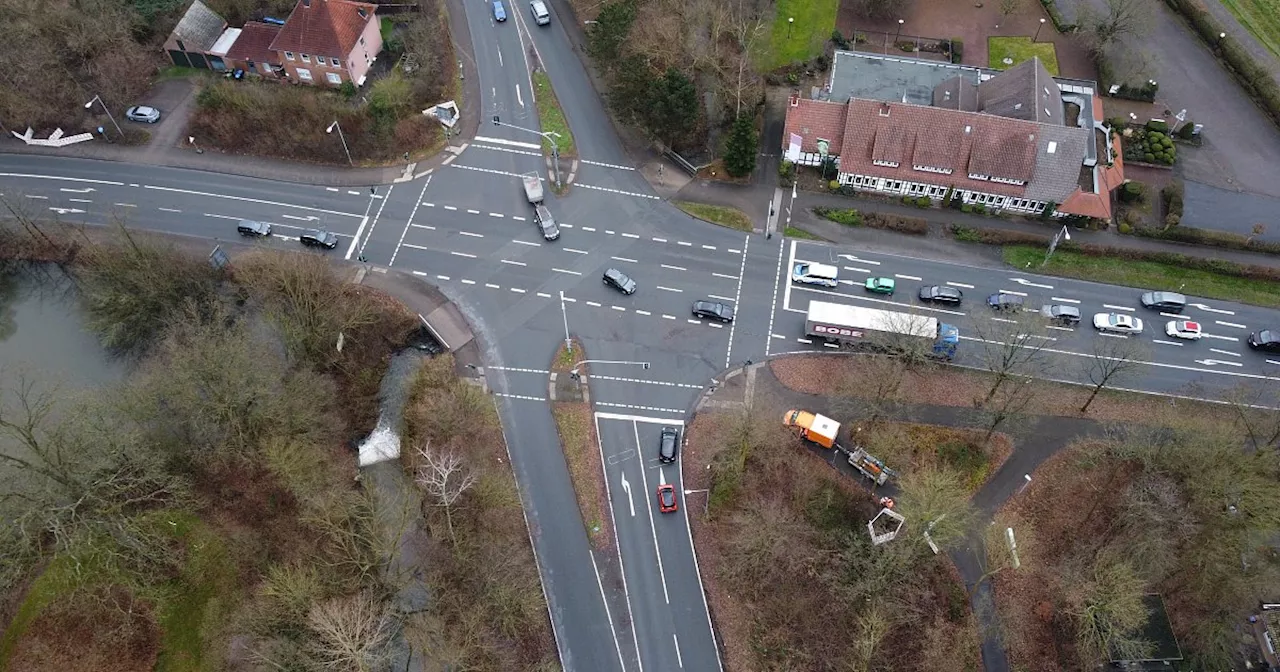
x=106, y=109
x=899, y=33
x=1037, y=37
x=568, y=345
x=791, y=20
x=1221, y=37
x=550, y=136
x=624, y=362
x=341, y=137
x=1053, y=244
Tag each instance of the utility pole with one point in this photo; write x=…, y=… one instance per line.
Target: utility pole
x=1053, y=244
x=341, y=137
x=568, y=345
x=106, y=109
x=550, y=136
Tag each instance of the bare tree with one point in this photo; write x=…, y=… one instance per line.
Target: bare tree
x=1005, y=550
x=936, y=500
x=1124, y=21
x=1013, y=397
x=1110, y=358
x=1011, y=347
x=1253, y=405
x=875, y=386
x=352, y=632
x=1008, y=7
x=1105, y=598
x=445, y=477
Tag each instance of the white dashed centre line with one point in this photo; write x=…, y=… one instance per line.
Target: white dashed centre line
x=570, y=249
x=593, y=304
x=643, y=312
x=609, y=232
x=1051, y=326
x=659, y=240
x=450, y=207
x=717, y=325
x=1125, y=308
x=720, y=298
x=518, y=218
x=692, y=321
x=544, y=295
x=585, y=228
x=462, y=254
x=1164, y=342
x=668, y=317
x=169, y=210
x=681, y=242
x=733, y=251
x=1224, y=352
x=517, y=290
x=630, y=235
x=857, y=270
x=473, y=212
x=1230, y=324
x=525, y=242
x=473, y=235
x=499, y=215
x=1058, y=298
x=490, y=285
x=561, y=270
x=514, y=263
x=673, y=268
x=668, y=289
x=439, y=277
x=633, y=261
x=619, y=308
x=708, y=247
x=727, y=277
x=468, y=282
x=424, y=226
x=779, y=336
x=126, y=205
x=906, y=277
x=960, y=284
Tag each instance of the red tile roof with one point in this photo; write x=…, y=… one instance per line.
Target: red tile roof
x=324, y=27
x=254, y=43
x=814, y=119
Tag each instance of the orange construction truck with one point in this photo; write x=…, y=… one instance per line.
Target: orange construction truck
x=817, y=428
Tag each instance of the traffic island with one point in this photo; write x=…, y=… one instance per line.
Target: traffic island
x=571, y=408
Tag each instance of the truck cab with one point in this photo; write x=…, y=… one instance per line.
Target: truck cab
x=812, y=426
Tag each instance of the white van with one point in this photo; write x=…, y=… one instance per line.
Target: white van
x=540, y=14
x=815, y=274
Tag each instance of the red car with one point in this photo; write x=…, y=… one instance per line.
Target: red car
x=667, y=498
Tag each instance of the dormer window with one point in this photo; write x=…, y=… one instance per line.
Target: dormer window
x=885, y=164
x=306, y=58
x=979, y=176
x=932, y=169
x=337, y=63
x=288, y=55
x=1009, y=180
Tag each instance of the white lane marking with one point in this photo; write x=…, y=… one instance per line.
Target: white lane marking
x=673, y=268
x=692, y=321
x=1058, y=298
x=616, y=191
x=518, y=218
x=657, y=550
x=1224, y=352
x=575, y=251
x=1230, y=324
x=779, y=336
x=63, y=179
x=717, y=325
x=1201, y=306
x=169, y=210
x=1110, y=335
x=1001, y=319
x=472, y=212
x=681, y=242
x=509, y=143
x=365, y=221
x=831, y=345
x=619, y=309
x=1221, y=338
x=79, y=200
x=676, y=641
x=1027, y=283
x=308, y=218
x=1211, y=362
x=639, y=381
x=1173, y=315
x=353, y=192
x=450, y=207
x=640, y=408
x=38, y=198
x=245, y=199
x=668, y=289
x=630, y=235
x=490, y=285
x=805, y=341
x=409, y=223
x=857, y=270
x=514, y=263
x=606, y=165
x=722, y=298
x=473, y=235
x=592, y=229
x=643, y=312
x=1272, y=361
x=424, y=226
x=1125, y=308
x=544, y=295
x=440, y=277
x=517, y=290
x=462, y=254
x=733, y=251
x=659, y=240
x=1051, y=326
x=330, y=188
x=906, y=277
x=708, y=247
x=561, y=270
x=633, y=261
x=726, y=277
x=1164, y=342
x=524, y=397
x=668, y=317
x=126, y=205
x=1009, y=291
x=525, y=242
x=519, y=98
x=468, y=282
x=960, y=284
x=417, y=247
x=850, y=257
x=499, y=215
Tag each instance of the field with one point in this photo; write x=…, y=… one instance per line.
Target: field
x=717, y=214
x=1020, y=49
x=1261, y=18
x=804, y=38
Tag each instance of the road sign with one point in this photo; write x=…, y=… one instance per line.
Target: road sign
x=218, y=259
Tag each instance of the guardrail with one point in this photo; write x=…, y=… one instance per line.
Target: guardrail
x=680, y=161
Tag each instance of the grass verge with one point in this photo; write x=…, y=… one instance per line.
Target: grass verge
x=1146, y=274
x=1261, y=18
x=803, y=38
x=1020, y=49
x=551, y=117
x=793, y=232
x=577, y=438
x=717, y=214
x=190, y=606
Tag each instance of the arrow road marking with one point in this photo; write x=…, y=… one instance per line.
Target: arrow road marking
x=1201, y=306
x=1211, y=362
x=1027, y=283
x=626, y=487
x=78, y=191
x=1230, y=324
x=308, y=218
x=850, y=257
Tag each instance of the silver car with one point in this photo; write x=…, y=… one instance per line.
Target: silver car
x=1117, y=324
x=142, y=113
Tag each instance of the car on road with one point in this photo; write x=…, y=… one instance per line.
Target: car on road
x=546, y=222
x=499, y=12
x=142, y=113
x=1115, y=323
x=1165, y=302
x=541, y=15
x=1065, y=315
x=880, y=285
x=619, y=281
x=667, y=445
x=941, y=294
x=318, y=238
x=713, y=310
x=1002, y=302
x=667, y=498
x=1185, y=329
x=251, y=229
x=1266, y=341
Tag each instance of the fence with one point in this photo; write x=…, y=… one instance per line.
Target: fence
x=914, y=46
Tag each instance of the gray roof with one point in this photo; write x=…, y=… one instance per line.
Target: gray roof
x=890, y=78
x=199, y=28
x=957, y=93
x=1057, y=171
x=1025, y=91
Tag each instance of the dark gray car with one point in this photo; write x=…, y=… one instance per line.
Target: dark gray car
x=619, y=281
x=1171, y=302
x=667, y=445
x=546, y=222
x=1064, y=315
x=318, y=238
x=712, y=310
x=941, y=294
x=251, y=229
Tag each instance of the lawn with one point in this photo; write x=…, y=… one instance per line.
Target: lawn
x=805, y=38
x=1261, y=18
x=551, y=117
x=1147, y=275
x=717, y=214
x=1020, y=49
x=793, y=232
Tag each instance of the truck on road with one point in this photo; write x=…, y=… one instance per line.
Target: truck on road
x=826, y=433
x=851, y=325
x=532, y=188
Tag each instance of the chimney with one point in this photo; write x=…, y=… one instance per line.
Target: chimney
x=795, y=100
x=884, y=109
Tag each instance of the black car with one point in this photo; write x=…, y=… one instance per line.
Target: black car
x=668, y=444
x=318, y=238
x=941, y=294
x=1005, y=302
x=1064, y=315
x=1165, y=302
x=546, y=223
x=1266, y=341
x=713, y=311
x=252, y=229
x=619, y=281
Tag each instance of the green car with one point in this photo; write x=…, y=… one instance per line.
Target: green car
x=880, y=285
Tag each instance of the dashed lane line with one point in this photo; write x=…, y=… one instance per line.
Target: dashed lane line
x=605, y=165
x=450, y=207
x=514, y=263
x=498, y=215
x=779, y=336
x=692, y=321
x=721, y=298
x=1058, y=298
x=659, y=240
x=648, y=382
x=708, y=247
x=490, y=285
x=593, y=304
x=733, y=251
x=518, y=218
x=169, y=210
x=643, y=312
x=1164, y=342
x=673, y=268
x=617, y=191
x=517, y=290
x=424, y=226
x=725, y=276
x=1010, y=291
x=681, y=242
x=1230, y=324
x=468, y=282
x=858, y=270
x=630, y=235
x=525, y=242
x=668, y=317
x=619, y=309
x=472, y=212
x=1124, y=308
x=522, y=397
x=654, y=409
x=574, y=250
x=516, y=369
x=1224, y=352
x=462, y=254
x=668, y=289
x=632, y=261
x=561, y=270
x=544, y=295
x=960, y=284
x=717, y=325
x=473, y=235
x=592, y=229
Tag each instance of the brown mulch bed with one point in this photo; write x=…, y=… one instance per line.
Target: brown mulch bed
x=575, y=425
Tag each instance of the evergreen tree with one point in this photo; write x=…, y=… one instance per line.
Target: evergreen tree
x=741, y=147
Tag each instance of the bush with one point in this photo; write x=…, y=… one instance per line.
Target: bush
x=1171, y=198
x=1222, y=239
x=1132, y=192
x=996, y=236
x=1059, y=22
x=957, y=50
x=911, y=225
x=786, y=173
x=965, y=207
x=833, y=185
x=838, y=39
x=846, y=216
x=1158, y=125
x=1187, y=130
x=924, y=202
x=1171, y=220
x=1125, y=228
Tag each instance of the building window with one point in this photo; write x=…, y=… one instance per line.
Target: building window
x=304, y=74
x=337, y=63
x=931, y=169
x=319, y=60
x=306, y=58
x=362, y=41
x=977, y=176
x=1006, y=180
x=288, y=55
x=333, y=77
x=885, y=164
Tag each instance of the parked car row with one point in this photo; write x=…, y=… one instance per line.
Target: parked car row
x=310, y=237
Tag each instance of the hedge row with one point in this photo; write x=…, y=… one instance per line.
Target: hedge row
x=1059, y=21
x=875, y=220
x=1220, y=266
x=1256, y=79
x=1224, y=239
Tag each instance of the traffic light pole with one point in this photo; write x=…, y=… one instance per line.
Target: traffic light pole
x=550, y=136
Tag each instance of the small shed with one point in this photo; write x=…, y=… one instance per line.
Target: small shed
x=191, y=43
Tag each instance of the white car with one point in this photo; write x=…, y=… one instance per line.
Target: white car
x=1183, y=329
x=147, y=115
x=1117, y=324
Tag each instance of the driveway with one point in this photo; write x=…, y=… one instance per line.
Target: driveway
x=175, y=98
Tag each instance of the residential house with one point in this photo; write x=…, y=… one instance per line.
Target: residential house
x=1017, y=140
x=192, y=41
x=328, y=42
x=252, y=49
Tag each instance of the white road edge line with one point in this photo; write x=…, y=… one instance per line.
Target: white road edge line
x=648, y=508
x=407, y=224
x=773, y=305
x=742, y=269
